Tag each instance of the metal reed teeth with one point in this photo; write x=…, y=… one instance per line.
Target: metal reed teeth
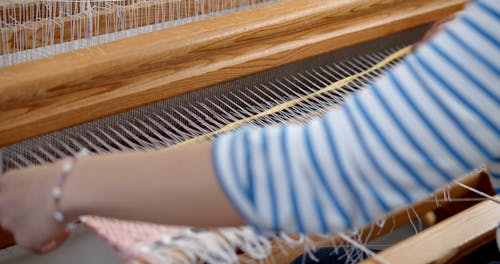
x=166, y=123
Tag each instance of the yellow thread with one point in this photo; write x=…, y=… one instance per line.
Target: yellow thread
x=275, y=109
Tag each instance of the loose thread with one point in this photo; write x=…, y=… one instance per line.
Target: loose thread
x=487, y=196
x=370, y=253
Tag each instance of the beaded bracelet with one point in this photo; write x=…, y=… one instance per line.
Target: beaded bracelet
x=57, y=191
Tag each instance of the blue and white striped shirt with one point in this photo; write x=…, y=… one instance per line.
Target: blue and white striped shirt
x=434, y=117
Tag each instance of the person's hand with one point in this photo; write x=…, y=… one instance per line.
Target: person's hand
x=26, y=207
x=436, y=27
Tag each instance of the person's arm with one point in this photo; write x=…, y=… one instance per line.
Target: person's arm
x=175, y=186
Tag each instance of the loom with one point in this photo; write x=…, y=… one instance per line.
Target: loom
x=113, y=75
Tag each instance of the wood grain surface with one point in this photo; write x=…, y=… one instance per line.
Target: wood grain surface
x=50, y=94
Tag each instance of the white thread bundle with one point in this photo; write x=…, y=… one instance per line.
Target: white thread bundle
x=31, y=29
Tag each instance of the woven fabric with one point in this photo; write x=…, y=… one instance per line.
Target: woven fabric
x=127, y=238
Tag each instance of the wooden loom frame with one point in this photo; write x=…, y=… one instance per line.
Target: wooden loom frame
x=91, y=83
x=450, y=240
x=50, y=94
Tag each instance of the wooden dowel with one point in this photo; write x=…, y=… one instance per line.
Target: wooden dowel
x=16, y=12
x=62, y=29
x=59, y=29
x=12, y=12
x=54, y=93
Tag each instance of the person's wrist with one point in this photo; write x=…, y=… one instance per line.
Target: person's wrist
x=69, y=204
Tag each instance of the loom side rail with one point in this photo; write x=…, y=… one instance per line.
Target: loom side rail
x=50, y=94
x=479, y=181
x=449, y=240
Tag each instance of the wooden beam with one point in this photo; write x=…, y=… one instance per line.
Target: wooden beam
x=50, y=94
x=12, y=12
x=55, y=28
x=449, y=240
x=18, y=12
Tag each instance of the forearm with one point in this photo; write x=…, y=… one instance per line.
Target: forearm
x=175, y=186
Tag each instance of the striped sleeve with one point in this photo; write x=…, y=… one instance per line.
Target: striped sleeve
x=431, y=119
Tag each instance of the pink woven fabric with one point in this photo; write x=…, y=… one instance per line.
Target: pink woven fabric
x=126, y=238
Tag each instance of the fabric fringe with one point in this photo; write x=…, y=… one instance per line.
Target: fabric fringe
x=142, y=242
